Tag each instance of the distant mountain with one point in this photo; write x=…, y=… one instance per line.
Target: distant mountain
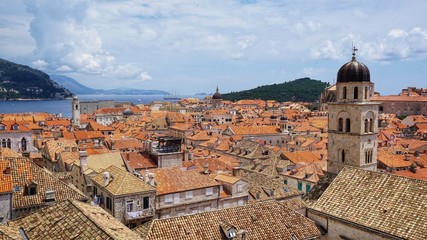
x=22, y=82
x=303, y=89
x=78, y=88
x=72, y=85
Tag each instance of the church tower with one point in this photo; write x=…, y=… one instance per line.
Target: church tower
x=217, y=99
x=352, y=121
x=75, y=111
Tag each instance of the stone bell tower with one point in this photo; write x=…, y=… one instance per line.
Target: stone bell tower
x=352, y=120
x=75, y=118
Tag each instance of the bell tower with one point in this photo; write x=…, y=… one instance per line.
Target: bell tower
x=352, y=120
x=75, y=111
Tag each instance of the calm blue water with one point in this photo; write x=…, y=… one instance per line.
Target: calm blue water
x=64, y=106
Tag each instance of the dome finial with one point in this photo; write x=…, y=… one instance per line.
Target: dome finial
x=354, y=52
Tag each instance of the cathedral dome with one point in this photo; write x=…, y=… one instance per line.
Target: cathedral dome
x=353, y=71
x=127, y=112
x=217, y=95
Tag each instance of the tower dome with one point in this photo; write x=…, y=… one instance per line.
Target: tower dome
x=353, y=71
x=217, y=95
x=127, y=112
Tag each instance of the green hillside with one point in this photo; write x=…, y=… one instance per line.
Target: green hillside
x=301, y=90
x=22, y=82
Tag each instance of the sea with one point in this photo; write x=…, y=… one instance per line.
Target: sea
x=63, y=107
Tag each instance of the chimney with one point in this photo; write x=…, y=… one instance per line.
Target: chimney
x=186, y=153
x=190, y=155
x=83, y=158
x=407, y=157
x=146, y=176
x=151, y=179
x=236, y=171
x=106, y=176
x=206, y=168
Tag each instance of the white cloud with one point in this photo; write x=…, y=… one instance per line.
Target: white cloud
x=64, y=68
x=144, y=76
x=40, y=64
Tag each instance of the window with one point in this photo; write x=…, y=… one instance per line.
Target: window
x=189, y=195
x=366, y=92
x=3, y=143
x=342, y=155
x=146, y=202
x=169, y=198
x=371, y=125
x=344, y=92
x=129, y=206
x=209, y=191
x=285, y=182
x=368, y=156
x=307, y=187
x=176, y=198
x=23, y=144
x=340, y=124
x=347, y=125
x=366, y=125
x=356, y=92
x=109, y=203
x=9, y=144
x=300, y=186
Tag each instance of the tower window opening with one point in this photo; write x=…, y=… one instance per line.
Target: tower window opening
x=344, y=92
x=347, y=125
x=342, y=155
x=356, y=92
x=371, y=125
x=366, y=125
x=340, y=124
x=366, y=92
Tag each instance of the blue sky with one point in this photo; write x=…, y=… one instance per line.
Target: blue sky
x=192, y=46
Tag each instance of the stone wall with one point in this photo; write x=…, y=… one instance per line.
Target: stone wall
x=5, y=207
x=340, y=230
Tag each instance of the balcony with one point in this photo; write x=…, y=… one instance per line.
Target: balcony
x=139, y=214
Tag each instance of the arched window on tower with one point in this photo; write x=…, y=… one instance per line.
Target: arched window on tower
x=340, y=124
x=371, y=125
x=3, y=143
x=9, y=143
x=344, y=92
x=24, y=144
x=342, y=155
x=368, y=156
x=366, y=92
x=356, y=92
x=347, y=125
x=77, y=107
x=366, y=125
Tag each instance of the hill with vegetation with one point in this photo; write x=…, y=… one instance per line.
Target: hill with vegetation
x=22, y=82
x=300, y=90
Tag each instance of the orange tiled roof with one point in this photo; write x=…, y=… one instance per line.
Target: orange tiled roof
x=5, y=177
x=172, y=180
x=254, y=130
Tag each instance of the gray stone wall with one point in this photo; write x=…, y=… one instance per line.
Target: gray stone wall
x=5, y=207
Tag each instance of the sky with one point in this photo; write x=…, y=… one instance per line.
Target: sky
x=193, y=46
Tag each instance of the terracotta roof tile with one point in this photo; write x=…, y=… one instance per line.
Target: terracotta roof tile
x=392, y=203
x=121, y=182
x=71, y=219
x=264, y=220
x=171, y=180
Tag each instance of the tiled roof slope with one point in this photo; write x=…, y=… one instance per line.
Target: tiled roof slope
x=264, y=220
x=5, y=177
x=387, y=203
x=71, y=219
x=171, y=180
x=9, y=233
x=121, y=182
x=24, y=172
